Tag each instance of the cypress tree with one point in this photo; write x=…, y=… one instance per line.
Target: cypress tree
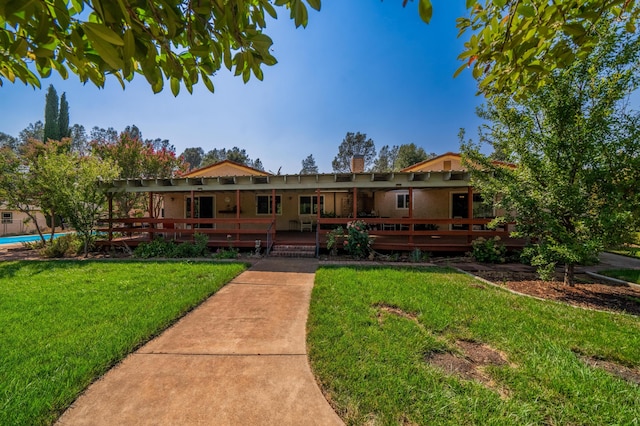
x=51, y=129
x=63, y=117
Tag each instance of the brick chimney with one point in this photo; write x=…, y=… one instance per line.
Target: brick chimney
x=357, y=164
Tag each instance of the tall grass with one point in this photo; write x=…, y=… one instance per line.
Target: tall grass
x=64, y=323
x=373, y=362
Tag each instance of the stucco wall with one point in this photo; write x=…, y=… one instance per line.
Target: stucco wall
x=18, y=225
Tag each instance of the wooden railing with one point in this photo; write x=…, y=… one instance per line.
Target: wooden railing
x=229, y=230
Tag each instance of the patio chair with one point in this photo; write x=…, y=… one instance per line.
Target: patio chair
x=306, y=224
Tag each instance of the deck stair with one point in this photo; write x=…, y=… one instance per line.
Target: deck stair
x=293, y=250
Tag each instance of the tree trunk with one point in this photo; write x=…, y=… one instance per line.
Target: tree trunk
x=53, y=225
x=569, y=274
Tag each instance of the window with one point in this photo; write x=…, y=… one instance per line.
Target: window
x=402, y=201
x=309, y=204
x=480, y=209
x=7, y=217
x=264, y=204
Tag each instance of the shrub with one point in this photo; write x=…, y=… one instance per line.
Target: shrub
x=163, y=248
x=418, y=255
x=231, y=253
x=65, y=245
x=358, y=243
x=332, y=239
x=488, y=250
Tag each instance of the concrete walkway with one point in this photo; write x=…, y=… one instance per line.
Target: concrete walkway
x=238, y=359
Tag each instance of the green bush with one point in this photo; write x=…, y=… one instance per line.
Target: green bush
x=230, y=253
x=488, y=250
x=68, y=245
x=163, y=248
x=358, y=243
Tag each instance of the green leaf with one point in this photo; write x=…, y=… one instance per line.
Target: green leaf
x=314, y=4
x=103, y=32
x=175, y=86
x=527, y=11
x=470, y=3
x=459, y=70
x=425, y=9
x=499, y=3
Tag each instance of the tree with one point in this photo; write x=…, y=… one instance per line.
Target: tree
x=101, y=135
x=63, y=117
x=17, y=187
x=386, y=161
x=309, y=166
x=72, y=183
x=79, y=142
x=577, y=155
x=257, y=164
x=51, y=125
x=135, y=159
x=32, y=131
x=193, y=156
x=515, y=45
x=234, y=154
x=354, y=144
x=410, y=154
x=8, y=141
x=180, y=41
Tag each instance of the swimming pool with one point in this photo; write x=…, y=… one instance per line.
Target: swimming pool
x=26, y=238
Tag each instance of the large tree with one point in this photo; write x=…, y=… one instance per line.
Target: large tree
x=354, y=144
x=63, y=117
x=576, y=147
x=32, y=131
x=234, y=154
x=72, y=185
x=386, y=160
x=51, y=108
x=179, y=41
x=309, y=166
x=136, y=159
x=193, y=156
x=410, y=154
x=8, y=141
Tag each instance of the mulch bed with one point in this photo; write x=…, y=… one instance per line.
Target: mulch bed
x=588, y=292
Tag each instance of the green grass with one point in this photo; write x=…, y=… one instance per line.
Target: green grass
x=629, y=275
x=372, y=363
x=630, y=251
x=64, y=323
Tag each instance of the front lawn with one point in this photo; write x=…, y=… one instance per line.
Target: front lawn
x=629, y=275
x=64, y=323
x=433, y=346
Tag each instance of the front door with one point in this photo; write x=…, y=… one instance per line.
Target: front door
x=459, y=209
x=202, y=209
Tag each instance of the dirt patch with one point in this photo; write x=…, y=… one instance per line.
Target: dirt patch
x=588, y=292
x=471, y=365
x=390, y=309
x=625, y=373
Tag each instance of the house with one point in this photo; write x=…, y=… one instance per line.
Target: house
x=430, y=205
x=15, y=222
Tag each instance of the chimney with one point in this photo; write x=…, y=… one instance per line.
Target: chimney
x=357, y=164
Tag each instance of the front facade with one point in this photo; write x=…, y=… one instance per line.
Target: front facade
x=425, y=206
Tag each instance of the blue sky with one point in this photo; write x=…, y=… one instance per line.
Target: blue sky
x=360, y=66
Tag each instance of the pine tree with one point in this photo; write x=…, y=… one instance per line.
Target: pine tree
x=309, y=166
x=51, y=126
x=63, y=117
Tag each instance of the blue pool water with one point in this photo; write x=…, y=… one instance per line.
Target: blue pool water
x=25, y=238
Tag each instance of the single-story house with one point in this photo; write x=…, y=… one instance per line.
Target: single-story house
x=15, y=222
x=430, y=205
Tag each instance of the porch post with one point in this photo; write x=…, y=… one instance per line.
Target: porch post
x=238, y=214
x=411, y=215
x=193, y=209
x=273, y=209
x=470, y=212
x=110, y=197
x=151, y=224
x=318, y=222
x=355, y=203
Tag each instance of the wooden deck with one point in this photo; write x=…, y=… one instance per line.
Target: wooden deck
x=387, y=234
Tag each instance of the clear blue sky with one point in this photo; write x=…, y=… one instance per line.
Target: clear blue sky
x=359, y=66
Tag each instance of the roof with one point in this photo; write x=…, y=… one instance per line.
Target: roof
x=435, y=163
x=225, y=168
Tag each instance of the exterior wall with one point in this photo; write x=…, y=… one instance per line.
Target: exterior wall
x=18, y=225
x=432, y=203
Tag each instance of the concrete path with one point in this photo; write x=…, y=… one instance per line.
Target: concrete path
x=238, y=359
